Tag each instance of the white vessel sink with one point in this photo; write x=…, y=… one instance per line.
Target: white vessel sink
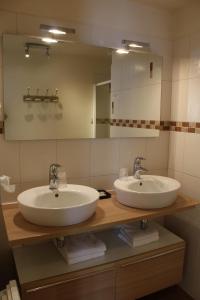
x=70, y=205
x=149, y=192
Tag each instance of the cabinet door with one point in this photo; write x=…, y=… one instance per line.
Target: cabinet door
x=98, y=286
x=137, y=279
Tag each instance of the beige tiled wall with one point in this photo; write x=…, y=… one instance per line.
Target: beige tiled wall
x=92, y=162
x=184, y=158
x=96, y=162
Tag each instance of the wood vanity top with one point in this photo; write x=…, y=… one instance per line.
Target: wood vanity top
x=109, y=212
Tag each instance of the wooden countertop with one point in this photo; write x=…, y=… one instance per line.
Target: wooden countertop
x=109, y=212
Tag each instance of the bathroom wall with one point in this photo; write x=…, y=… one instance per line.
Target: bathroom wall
x=92, y=162
x=184, y=159
x=135, y=92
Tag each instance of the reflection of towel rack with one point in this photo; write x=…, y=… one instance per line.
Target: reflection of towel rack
x=41, y=98
x=11, y=291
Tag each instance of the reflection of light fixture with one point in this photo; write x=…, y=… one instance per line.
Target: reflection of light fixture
x=27, y=52
x=134, y=45
x=30, y=45
x=122, y=51
x=49, y=40
x=57, y=30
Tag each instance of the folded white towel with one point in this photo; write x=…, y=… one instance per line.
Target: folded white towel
x=137, y=243
x=134, y=236
x=78, y=259
x=135, y=232
x=14, y=290
x=8, y=292
x=83, y=244
x=154, y=234
x=3, y=295
x=81, y=247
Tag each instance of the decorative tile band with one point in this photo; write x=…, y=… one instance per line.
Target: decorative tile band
x=190, y=127
x=146, y=124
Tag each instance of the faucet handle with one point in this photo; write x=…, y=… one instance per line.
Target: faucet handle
x=138, y=159
x=54, y=167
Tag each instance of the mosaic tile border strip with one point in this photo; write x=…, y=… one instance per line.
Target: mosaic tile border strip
x=146, y=124
x=190, y=127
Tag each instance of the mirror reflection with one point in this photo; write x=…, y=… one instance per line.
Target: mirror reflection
x=75, y=90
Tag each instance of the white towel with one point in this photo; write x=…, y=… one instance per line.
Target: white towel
x=134, y=236
x=135, y=232
x=78, y=259
x=8, y=292
x=3, y=295
x=14, y=290
x=81, y=247
x=136, y=243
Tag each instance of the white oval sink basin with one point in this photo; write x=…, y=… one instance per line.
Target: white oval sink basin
x=149, y=192
x=70, y=205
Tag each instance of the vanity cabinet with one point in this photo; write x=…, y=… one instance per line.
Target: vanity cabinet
x=124, y=273
x=96, y=285
x=136, y=279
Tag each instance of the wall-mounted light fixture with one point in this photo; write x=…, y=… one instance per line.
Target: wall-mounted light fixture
x=30, y=45
x=57, y=30
x=136, y=46
x=27, y=52
x=133, y=46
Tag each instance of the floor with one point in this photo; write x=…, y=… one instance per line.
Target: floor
x=172, y=293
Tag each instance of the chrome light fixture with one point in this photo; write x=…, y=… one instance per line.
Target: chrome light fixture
x=27, y=52
x=49, y=40
x=57, y=30
x=136, y=46
x=30, y=45
x=122, y=51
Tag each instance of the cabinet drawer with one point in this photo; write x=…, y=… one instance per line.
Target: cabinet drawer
x=97, y=286
x=137, y=279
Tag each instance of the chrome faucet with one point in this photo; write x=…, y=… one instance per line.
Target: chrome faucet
x=53, y=176
x=138, y=168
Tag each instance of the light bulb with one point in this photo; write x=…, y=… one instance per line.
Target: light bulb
x=57, y=31
x=133, y=45
x=122, y=51
x=49, y=40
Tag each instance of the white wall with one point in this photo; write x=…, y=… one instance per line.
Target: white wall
x=135, y=95
x=105, y=22
x=184, y=159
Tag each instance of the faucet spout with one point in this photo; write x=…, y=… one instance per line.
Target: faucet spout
x=53, y=176
x=138, y=168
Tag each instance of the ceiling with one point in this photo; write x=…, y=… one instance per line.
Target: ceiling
x=167, y=4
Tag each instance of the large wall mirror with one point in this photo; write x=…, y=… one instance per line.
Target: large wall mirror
x=75, y=90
